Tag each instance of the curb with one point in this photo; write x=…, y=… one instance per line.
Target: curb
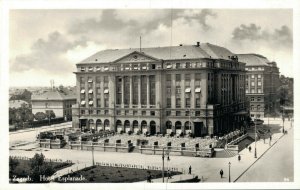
x=258, y=159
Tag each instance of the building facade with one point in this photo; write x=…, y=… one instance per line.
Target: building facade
x=60, y=101
x=262, y=81
x=197, y=88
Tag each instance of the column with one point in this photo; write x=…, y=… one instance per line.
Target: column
x=192, y=97
x=122, y=89
x=139, y=91
x=130, y=91
x=203, y=99
x=182, y=91
x=148, y=92
x=173, y=91
x=101, y=92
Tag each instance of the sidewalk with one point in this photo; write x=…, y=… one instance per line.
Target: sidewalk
x=75, y=167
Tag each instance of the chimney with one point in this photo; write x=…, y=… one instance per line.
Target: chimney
x=180, y=44
x=198, y=44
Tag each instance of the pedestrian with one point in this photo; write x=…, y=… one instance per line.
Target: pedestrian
x=239, y=157
x=250, y=148
x=169, y=174
x=190, y=170
x=221, y=173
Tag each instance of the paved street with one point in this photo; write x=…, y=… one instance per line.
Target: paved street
x=29, y=135
x=208, y=168
x=274, y=167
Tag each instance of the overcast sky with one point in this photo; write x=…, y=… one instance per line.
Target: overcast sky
x=46, y=44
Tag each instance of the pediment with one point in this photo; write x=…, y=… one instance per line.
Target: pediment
x=136, y=57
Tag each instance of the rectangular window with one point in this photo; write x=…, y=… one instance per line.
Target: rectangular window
x=252, y=76
x=187, y=65
x=187, y=80
x=178, y=102
x=135, y=93
x=178, y=90
x=106, y=102
x=152, y=113
x=82, y=112
x=144, y=90
x=252, y=84
x=252, y=99
x=259, y=90
x=252, y=90
x=134, y=112
x=178, y=77
x=126, y=112
x=98, y=112
x=178, y=113
x=258, y=99
x=98, y=102
x=168, y=102
x=168, y=113
x=258, y=83
x=187, y=113
x=187, y=102
x=259, y=76
x=197, y=113
x=143, y=112
x=168, y=91
x=118, y=112
x=177, y=65
x=106, y=112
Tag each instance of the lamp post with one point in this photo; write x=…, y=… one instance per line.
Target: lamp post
x=93, y=159
x=229, y=164
x=163, y=162
x=283, y=119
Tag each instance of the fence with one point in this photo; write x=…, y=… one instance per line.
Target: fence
x=136, y=166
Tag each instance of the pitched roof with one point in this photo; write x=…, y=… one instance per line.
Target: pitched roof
x=205, y=50
x=253, y=59
x=56, y=94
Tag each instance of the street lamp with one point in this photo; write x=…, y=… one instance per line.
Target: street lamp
x=229, y=180
x=163, y=164
x=282, y=119
x=93, y=159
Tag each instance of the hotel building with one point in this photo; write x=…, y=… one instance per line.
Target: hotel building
x=187, y=88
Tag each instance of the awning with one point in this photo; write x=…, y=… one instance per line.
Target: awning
x=98, y=68
x=106, y=91
x=105, y=68
x=90, y=68
x=198, y=90
x=90, y=102
x=90, y=91
x=82, y=91
x=188, y=90
x=82, y=102
x=169, y=66
x=144, y=67
x=90, y=80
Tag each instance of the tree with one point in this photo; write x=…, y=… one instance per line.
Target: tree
x=39, y=167
x=50, y=113
x=12, y=166
x=40, y=116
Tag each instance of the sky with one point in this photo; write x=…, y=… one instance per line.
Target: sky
x=47, y=44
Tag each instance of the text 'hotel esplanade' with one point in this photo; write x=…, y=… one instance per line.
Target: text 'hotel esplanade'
x=187, y=88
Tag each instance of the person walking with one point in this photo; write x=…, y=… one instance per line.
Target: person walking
x=169, y=174
x=221, y=173
x=190, y=170
x=250, y=148
x=239, y=157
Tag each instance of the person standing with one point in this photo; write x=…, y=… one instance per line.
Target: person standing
x=169, y=174
x=190, y=170
x=221, y=173
x=250, y=148
x=239, y=157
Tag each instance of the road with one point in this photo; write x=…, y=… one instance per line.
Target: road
x=277, y=165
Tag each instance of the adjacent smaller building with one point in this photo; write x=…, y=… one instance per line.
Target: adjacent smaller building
x=58, y=100
x=262, y=81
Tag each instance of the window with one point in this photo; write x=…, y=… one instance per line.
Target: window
x=252, y=90
x=259, y=90
x=252, y=84
x=106, y=112
x=187, y=65
x=143, y=112
x=178, y=113
x=258, y=99
x=134, y=112
x=252, y=76
x=169, y=66
x=178, y=102
x=258, y=83
x=152, y=113
x=197, y=113
x=178, y=90
x=168, y=113
x=252, y=99
x=247, y=91
x=98, y=101
x=168, y=102
x=83, y=112
x=187, y=102
x=82, y=68
x=259, y=76
x=258, y=107
x=177, y=65
x=98, y=112
x=126, y=112
x=153, y=66
x=187, y=113
x=187, y=80
x=168, y=91
x=118, y=112
x=252, y=107
x=178, y=77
